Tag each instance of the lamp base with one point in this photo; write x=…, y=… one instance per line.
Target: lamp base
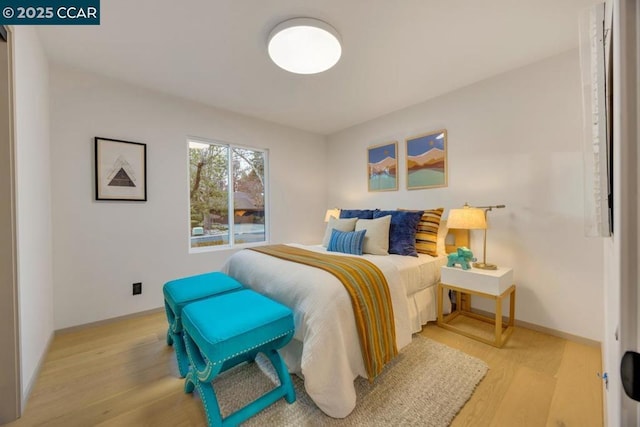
x=485, y=266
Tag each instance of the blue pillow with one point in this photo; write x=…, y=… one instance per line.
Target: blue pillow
x=402, y=231
x=347, y=242
x=357, y=213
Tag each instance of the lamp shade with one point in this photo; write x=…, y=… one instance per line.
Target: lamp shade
x=304, y=46
x=467, y=218
x=332, y=213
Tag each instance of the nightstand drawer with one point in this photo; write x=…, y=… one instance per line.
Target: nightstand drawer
x=493, y=282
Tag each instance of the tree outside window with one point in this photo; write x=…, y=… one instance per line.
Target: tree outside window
x=227, y=194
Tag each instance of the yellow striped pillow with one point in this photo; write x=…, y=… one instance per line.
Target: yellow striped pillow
x=427, y=234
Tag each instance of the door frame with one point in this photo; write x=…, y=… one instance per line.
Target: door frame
x=10, y=377
x=627, y=37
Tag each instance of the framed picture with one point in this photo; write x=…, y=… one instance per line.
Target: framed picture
x=382, y=167
x=121, y=170
x=427, y=160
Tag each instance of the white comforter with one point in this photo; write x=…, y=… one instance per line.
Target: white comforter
x=329, y=358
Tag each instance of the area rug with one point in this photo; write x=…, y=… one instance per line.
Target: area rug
x=426, y=385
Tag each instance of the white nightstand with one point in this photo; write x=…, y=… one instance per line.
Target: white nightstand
x=492, y=284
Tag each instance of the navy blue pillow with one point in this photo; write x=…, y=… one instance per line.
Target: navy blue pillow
x=402, y=231
x=347, y=242
x=357, y=213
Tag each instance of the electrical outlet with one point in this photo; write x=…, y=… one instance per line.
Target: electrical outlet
x=137, y=288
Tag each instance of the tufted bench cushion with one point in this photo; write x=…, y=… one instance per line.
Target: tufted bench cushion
x=178, y=293
x=236, y=323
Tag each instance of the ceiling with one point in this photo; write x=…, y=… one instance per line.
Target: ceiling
x=395, y=53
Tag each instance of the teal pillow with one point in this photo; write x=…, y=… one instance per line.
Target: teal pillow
x=349, y=242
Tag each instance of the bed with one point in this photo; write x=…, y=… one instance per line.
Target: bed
x=325, y=350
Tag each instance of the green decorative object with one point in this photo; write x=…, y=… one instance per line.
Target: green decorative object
x=463, y=256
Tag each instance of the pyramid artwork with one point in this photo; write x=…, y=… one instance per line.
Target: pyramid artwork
x=122, y=174
x=121, y=180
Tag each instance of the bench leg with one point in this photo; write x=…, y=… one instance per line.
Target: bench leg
x=207, y=396
x=181, y=355
x=283, y=375
x=171, y=319
x=199, y=377
x=174, y=338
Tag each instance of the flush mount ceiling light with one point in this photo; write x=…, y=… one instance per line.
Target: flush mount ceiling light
x=304, y=46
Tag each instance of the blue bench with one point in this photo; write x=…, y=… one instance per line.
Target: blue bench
x=178, y=293
x=229, y=329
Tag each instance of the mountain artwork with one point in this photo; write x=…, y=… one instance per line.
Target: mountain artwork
x=382, y=167
x=427, y=160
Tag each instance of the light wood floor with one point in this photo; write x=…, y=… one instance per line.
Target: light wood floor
x=123, y=374
x=534, y=380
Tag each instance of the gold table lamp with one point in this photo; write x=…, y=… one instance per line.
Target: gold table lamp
x=473, y=218
x=335, y=212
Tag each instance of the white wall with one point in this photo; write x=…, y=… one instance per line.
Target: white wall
x=33, y=172
x=101, y=248
x=513, y=139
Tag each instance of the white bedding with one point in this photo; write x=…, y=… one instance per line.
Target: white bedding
x=326, y=349
x=418, y=273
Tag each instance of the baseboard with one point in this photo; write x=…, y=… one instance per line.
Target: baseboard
x=545, y=330
x=24, y=397
x=520, y=323
x=107, y=321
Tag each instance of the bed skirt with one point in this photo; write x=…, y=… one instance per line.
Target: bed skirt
x=423, y=307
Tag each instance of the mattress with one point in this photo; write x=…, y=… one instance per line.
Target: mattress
x=420, y=272
x=326, y=350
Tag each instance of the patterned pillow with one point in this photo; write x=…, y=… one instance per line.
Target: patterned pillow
x=347, y=242
x=357, y=213
x=427, y=233
x=402, y=231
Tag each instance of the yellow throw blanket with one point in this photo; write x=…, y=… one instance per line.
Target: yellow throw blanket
x=370, y=298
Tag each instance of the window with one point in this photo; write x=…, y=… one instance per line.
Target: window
x=227, y=194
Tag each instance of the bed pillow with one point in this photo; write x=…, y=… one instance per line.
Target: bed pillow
x=347, y=242
x=427, y=233
x=347, y=224
x=357, y=213
x=402, y=231
x=376, y=241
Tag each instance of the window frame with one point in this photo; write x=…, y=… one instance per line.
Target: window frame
x=230, y=194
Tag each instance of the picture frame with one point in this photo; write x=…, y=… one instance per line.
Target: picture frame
x=426, y=160
x=382, y=167
x=120, y=170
